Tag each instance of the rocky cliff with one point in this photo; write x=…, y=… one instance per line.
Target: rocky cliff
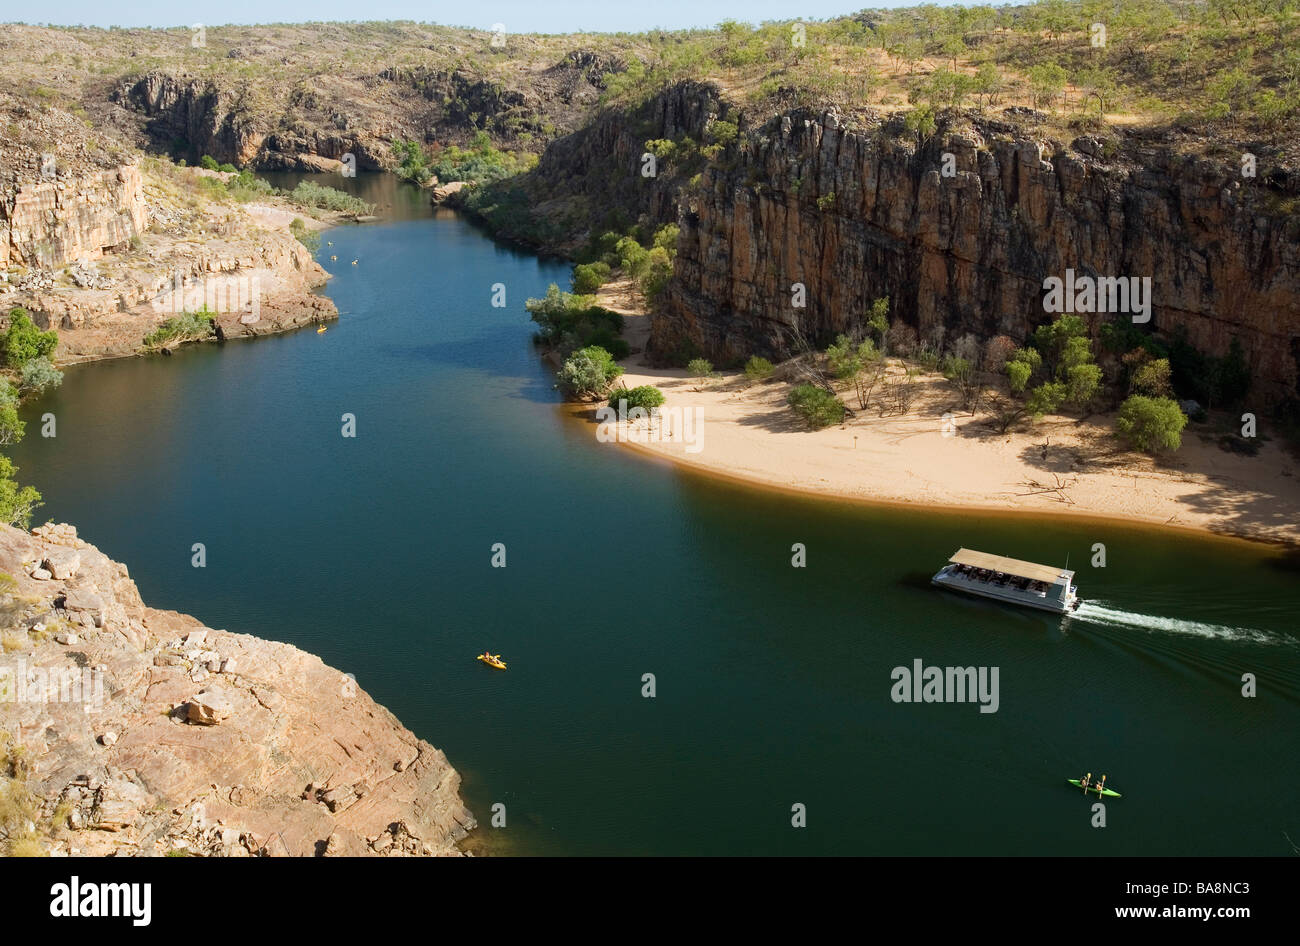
x=51, y=223
x=140, y=731
x=859, y=212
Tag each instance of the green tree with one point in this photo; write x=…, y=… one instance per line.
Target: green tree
x=878, y=320
x=588, y=373
x=11, y=428
x=1081, y=384
x=1152, y=379
x=1151, y=424
x=656, y=273
x=1046, y=83
x=1046, y=398
x=23, y=341
x=17, y=503
x=588, y=277
x=40, y=375
x=816, y=406
x=643, y=396
x=1054, y=338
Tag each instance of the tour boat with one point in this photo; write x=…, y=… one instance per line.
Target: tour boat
x=1045, y=587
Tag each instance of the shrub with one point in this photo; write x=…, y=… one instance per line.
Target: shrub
x=632, y=256
x=17, y=503
x=758, y=369
x=1152, y=379
x=208, y=162
x=412, y=164
x=1046, y=398
x=700, y=369
x=186, y=327
x=816, y=406
x=23, y=341
x=1018, y=374
x=304, y=234
x=311, y=194
x=40, y=375
x=1081, y=384
x=644, y=396
x=656, y=272
x=588, y=277
x=11, y=427
x=588, y=373
x=568, y=320
x=1151, y=424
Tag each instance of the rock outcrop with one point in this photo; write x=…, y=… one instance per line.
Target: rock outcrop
x=856, y=213
x=55, y=222
x=147, y=733
x=959, y=231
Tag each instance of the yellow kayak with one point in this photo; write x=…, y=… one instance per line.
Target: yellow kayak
x=319, y=330
x=493, y=660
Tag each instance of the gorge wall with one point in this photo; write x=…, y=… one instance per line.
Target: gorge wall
x=856, y=214
x=856, y=210
x=53, y=222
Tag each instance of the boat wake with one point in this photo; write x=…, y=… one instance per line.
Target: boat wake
x=1096, y=612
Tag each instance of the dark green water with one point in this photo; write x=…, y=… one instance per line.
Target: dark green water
x=773, y=683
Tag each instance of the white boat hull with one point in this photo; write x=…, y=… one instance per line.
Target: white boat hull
x=1028, y=599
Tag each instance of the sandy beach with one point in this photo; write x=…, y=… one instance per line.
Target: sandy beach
x=1059, y=465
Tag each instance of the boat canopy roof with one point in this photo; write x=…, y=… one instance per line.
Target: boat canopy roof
x=1010, y=566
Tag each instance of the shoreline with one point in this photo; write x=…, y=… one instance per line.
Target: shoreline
x=712, y=474
x=747, y=436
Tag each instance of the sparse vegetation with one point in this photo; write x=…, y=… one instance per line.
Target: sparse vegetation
x=758, y=369
x=186, y=327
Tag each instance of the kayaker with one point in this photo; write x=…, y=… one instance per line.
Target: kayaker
x=1084, y=782
x=1101, y=786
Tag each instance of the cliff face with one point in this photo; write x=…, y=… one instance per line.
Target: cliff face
x=198, y=115
x=51, y=223
x=155, y=733
x=856, y=214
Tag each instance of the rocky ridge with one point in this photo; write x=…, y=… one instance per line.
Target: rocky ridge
x=143, y=732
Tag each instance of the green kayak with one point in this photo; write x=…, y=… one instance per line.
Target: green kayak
x=1093, y=789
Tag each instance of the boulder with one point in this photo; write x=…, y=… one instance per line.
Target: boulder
x=208, y=708
x=63, y=564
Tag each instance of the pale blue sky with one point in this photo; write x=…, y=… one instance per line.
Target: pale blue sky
x=521, y=16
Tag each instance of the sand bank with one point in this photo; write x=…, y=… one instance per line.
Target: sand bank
x=1059, y=466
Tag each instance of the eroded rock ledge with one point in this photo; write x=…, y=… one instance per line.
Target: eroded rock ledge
x=145, y=732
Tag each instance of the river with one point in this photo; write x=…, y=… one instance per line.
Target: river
x=772, y=683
